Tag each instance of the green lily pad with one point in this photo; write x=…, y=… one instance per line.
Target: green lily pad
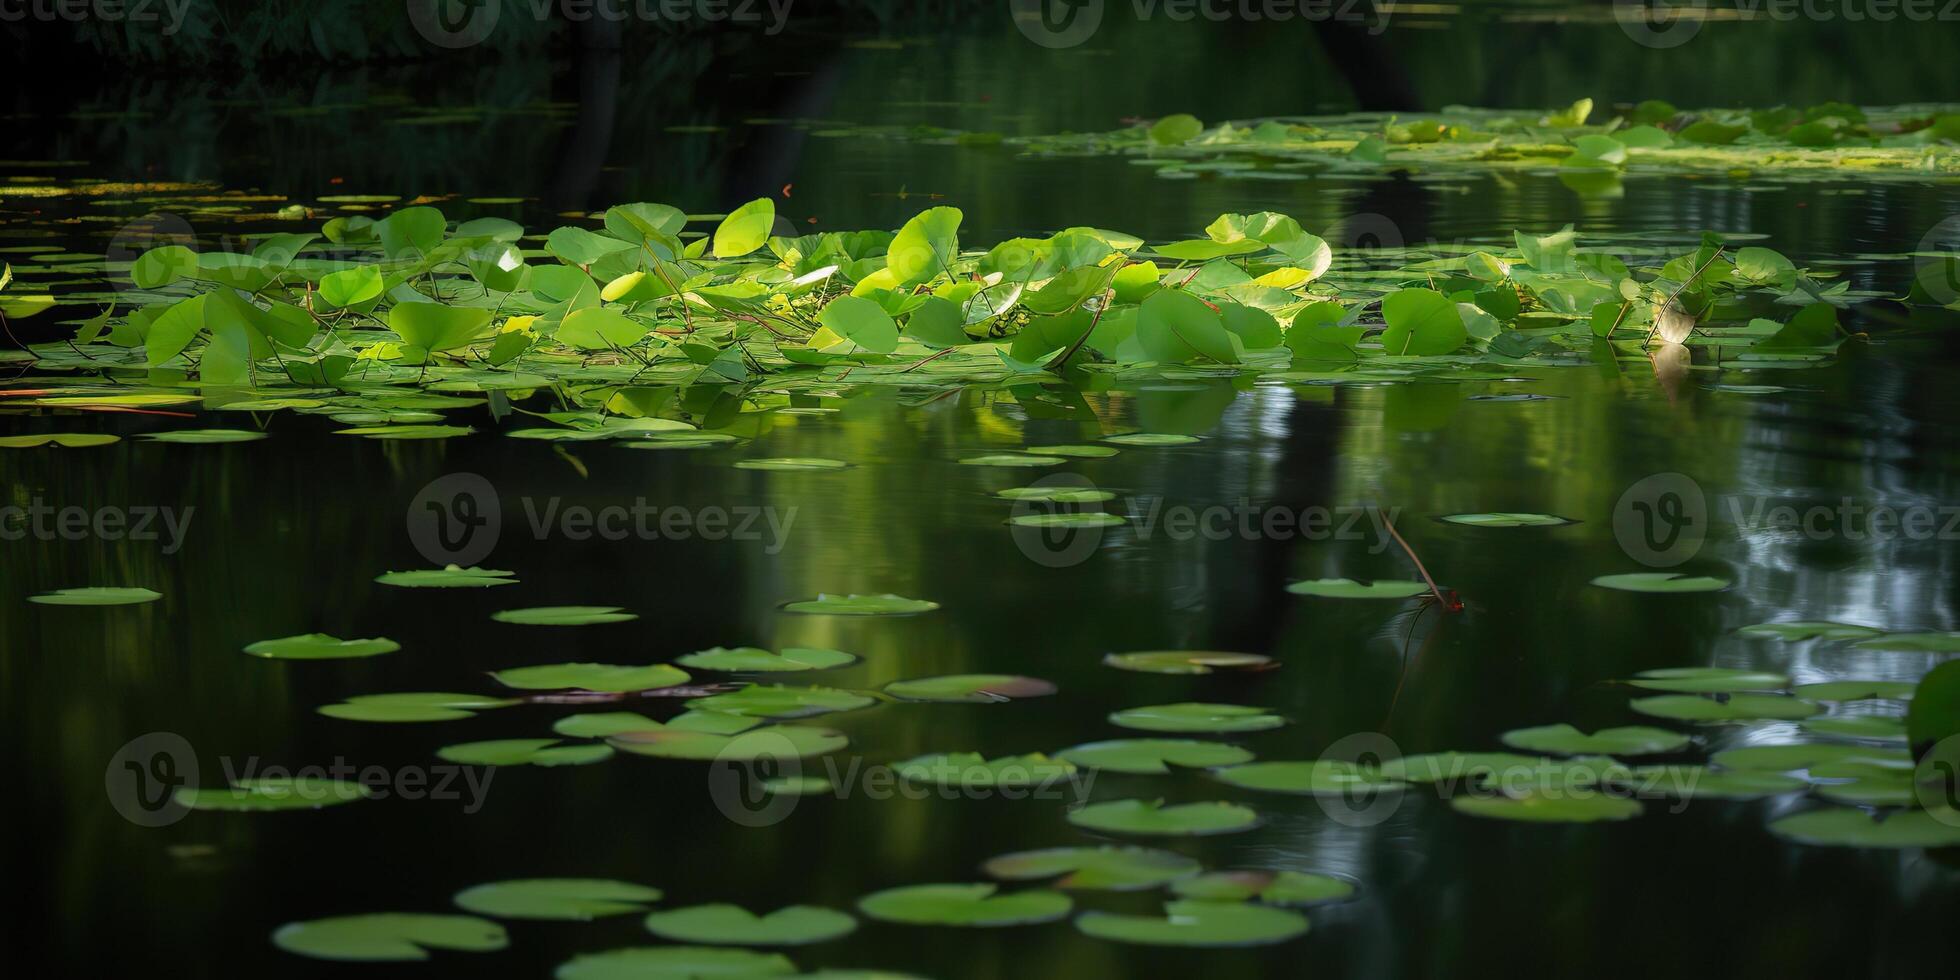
x=792, y=463
x=523, y=752
x=1913, y=642
x=970, y=688
x=1110, y=868
x=257, y=795
x=1558, y=807
x=62, y=440
x=1809, y=630
x=1012, y=460
x=1153, y=756
x=1790, y=758
x=412, y=706
x=1058, y=495
x=1850, y=827
x=774, y=742
x=1268, y=887
x=1734, y=707
x=1191, y=922
x=1347, y=588
x=96, y=596
x=572, y=899
x=1076, y=452
x=1567, y=740
x=673, y=963
x=389, y=936
x=1188, y=661
x=320, y=646
x=564, y=616
x=1151, y=439
x=604, y=724
x=1709, y=680
x=754, y=659
x=972, y=770
x=1855, y=691
x=1506, y=520
x=861, y=605
x=1703, y=783
x=1321, y=777
x=1192, y=716
x=1882, y=728
x=612, y=678
x=1464, y=768
x=964, y=905
x=1152, y=817
x=780, y=701
x=796, y=785
x=1094, y=518
x=796, y=925
x=204, y=437
x=1661, y=582
x=448, y=577
x=407, y=431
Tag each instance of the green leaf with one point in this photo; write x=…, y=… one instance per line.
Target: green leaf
x=673, y=963
x=1176, y=130
x=523, y=752
x=448, y=577
x=1187, y=661
x=1851, y=827
x=1421, y=322
x=1268, y=887
x=351, y=287
x=862, y=322
x=970, y=770
x=96, y=596
x=263, y=795
x=599, y=328
x=768, y=743
x=1321, y=777
x=964, y=905
x=1559, y=806
x=1107, y=868
x=1809, y=630
x=570, y=899
x=1505, y=520
x=389, y=936
x=861, y=605
x=796, y=925
x=745, y=229
x=162, y=266
x=781, y=701
x=1193, y=922
x=411, y=232
x=564, y=616
x=1153, y=818
x=970, y=688
x=925, y=247
x=1669, y=582
x=1702, y=783
x=1709, y=680
x=1567, y=740
x=1347, y=588
x=1191, y=716
x=320, y=646
x=434, y=327
x=64, y=440
x=1735, y=707
x=758, y=660
x=1176, y=327
x=592, y=677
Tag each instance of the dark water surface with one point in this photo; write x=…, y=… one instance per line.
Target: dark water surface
x=287, y=535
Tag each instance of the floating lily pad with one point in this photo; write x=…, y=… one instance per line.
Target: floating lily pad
x=1268, y=887
x=1152, y=817
x=1094, y=518
x=1321, y=777
x=1882, y=728
x=1734, y=707
x=1153, y=756
x=256, y=795
x=389, y=936
x=1110, y=868
x=1661, y=582
x=861, y=605
x=1709, y=680
x=320, y=646
x=964, y=905
x=1855, y=691
x=96, y=596
x=1151, y=439
x=204, y=437
x=523, y=752
x=971, y=688
x=792, y=463
x=62, y=440
x=1851, y=827
x=1567, y=740
x=448, y=577
x=1347, y=588
x=1191, y=922
x=1058, y=495
x=574, y=899
x=754, y=659
x=796, y=785
x=796, y=925
x=1913, y=642
x=774, y=742
x=1077, y=452
x=1187, y=661
x=1703, y=783
x=780, y=701
x=412, y=706
x=1809, y=630
x=1192, y=716
x=407, y=431
x=673, y=963
x=1012, y=460
x=592, y=677
x=1790, y=758
x=972, y=770
x=604, y=724
x=1506, y=520
x=564, y=616
x=1536, y=807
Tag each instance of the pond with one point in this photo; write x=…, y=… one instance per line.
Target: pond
x=1805, y=488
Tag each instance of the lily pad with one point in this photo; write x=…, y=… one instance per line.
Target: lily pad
x=1347, y=588
x=604, y=724
x=1188, y=661
x=1192, y=716
x=1703, y=783
x=564, y=615
x=1012, y=460
x=792, y=464
x=1152, y=817
x=1661, y=582
x=1790, y=758
x=1094, y=518
x=970, y=688
x=1881, y=728
x=780, y=701
x=774, y=742
x=1855, y=691
x=1913, y=642
x=964, y=905
x=1320, y=777
x=1734, y=707
x=756, y=660
x=1560, y=807
x=412, y=706
x=257, y=795
x=96, y=596
x=1268, y=887
x=1851, y=827
x=1109, y=868
x=612, y=678
x=861, y=605
x=572, y=899
x=1809, y=630
x=1153, y=756
x=1506, y=520
x=523, y=752
x=1058, y=495
x=796, y=925
x=1191, y=922
x=407, y=431
x=448, y=577
x=673, y=963
x=972, y=770
x=389, y=936
x=61, y=440
x=1567, y=740
x=1709, y=680
x=204, y=437
x=1076, y=452
x=320, y=646
x=1151, y=439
